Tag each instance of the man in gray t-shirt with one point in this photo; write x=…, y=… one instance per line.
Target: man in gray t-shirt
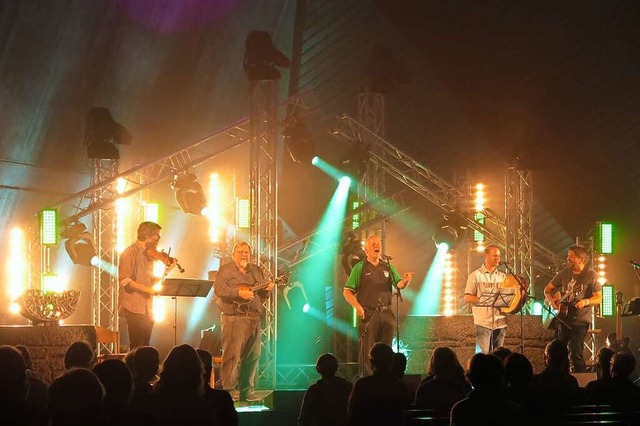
x=582, y=289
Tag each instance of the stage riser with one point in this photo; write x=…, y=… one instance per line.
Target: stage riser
x=47, y=344
x=422, y=334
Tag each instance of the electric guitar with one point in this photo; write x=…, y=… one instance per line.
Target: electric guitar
x=615, y=340
x=239, y=302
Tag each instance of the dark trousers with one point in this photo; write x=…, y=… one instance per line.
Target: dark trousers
x=139, y=327
x=240, y=352
x=574, y=337
x=377, y=326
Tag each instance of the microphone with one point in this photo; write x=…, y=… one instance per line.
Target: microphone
x=385, y=257
x=506, y=262
x=634, y=264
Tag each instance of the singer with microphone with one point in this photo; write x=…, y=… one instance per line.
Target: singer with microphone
x=580, y=284
x=369, y=290
x=490, y=326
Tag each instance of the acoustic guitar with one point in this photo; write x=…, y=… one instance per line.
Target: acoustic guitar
x=239, y=302
x=615, y=340
x=549, y=314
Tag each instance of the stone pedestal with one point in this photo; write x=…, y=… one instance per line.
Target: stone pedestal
x=47, y=344
x=422, y=334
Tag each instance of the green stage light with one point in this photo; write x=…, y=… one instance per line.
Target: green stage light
x=608, y=301
x=315, y=160
x=604, y=238
x=478, y=236
x=429, y=296
x=48, y=227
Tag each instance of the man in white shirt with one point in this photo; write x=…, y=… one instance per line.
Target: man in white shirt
x=490, y=327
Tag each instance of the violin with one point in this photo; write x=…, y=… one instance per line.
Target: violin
x=163, y=257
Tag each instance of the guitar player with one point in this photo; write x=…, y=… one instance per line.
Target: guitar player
x=581, y=283
x=240, y=320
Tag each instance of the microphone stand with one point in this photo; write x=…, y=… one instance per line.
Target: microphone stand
x=398, y=295
x=523, y=290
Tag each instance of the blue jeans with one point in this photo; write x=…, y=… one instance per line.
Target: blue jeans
x=487, y=341
x=240, y=353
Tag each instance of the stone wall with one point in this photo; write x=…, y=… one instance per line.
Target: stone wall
x=422, y=334
x=47, y=344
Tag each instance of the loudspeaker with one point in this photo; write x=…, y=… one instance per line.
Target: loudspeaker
x=584, y=378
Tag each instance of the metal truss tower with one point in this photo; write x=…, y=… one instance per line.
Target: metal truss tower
x=263, y=181
x=519, y=221
x=104, y=308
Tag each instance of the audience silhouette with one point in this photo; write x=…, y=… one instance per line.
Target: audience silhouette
x=220, y=400
x=79, y=354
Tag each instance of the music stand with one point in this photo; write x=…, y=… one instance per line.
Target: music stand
x=183, y=287
x=496, y=297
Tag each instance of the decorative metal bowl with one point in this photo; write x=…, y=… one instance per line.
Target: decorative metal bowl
x=48, y=307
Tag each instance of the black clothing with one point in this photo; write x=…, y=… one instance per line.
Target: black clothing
x=325, y=403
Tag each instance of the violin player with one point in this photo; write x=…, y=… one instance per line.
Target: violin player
x=135, y=272
x=241, y=309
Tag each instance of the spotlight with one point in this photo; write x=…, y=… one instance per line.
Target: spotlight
x=303, y=293
x=450, y=231
x=345, y=180
x=352, y=252
x=261, y=57
x=102, y=133
x=355, y=163
x=315, y=160
x=298, y=140
x=79, y=244
x=189, y=194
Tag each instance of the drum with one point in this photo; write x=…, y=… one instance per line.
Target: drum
x=518, y=300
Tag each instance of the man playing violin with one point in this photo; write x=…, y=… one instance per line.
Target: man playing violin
x=240, y=320
x=135, y=274
x=490, y=327
x=584, y=291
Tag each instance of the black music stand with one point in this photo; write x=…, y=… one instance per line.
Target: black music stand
x=183, y=287
x=496, y=297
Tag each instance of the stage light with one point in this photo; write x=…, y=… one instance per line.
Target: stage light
x=52, y=282
x=243, y=215
x=355, y=162
x=305, y=308
x=151, y=212
x=16, y=267
x=315, y=160
x=345, y=180
x=214, y=208
x=351, y=251
x=604, y=238
x=478, y=236
x=298, y=140
x=536, y=308
x=102, y=133
x=79, y=245
x=261, y=57
x=450, y=231
x=608, y=301
x=48, y=227
x=189, y=194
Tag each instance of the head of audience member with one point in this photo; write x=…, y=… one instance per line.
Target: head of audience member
x=117, y=381
x=76, y=397
x=327, y=365
x=181, y=372
x=207, y=365
x=556, y=355
x=398, y=365
x=79, y=355
x=603, y=362
x=486, y=372
x=26, y=355
x=13, y=375
x=501, y=352
x=146, y=362
x=444, y=363
x=381, y=357
x=622, y=365
x=128, y=360
x=518, y=371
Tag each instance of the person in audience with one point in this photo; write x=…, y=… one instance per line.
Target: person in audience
x=381, y=397
x=118, y=385
x=502, y=353
x=14, y=388
x=79, y=354
x=37, y=394
x=220, y=400
x=445, y=383
x=146, y=362
x=325, y=402
x=76, y=398
x=398, y=365
x=603, y=367
x=555, y=383
x=619, y=391
x=178, y=396
x=518, y=373
x=487, y=404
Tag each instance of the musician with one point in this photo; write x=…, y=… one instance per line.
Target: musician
x=490, y=327
x=583, y=290
x=135, y=274
x=240, y=320
x=368, y=290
